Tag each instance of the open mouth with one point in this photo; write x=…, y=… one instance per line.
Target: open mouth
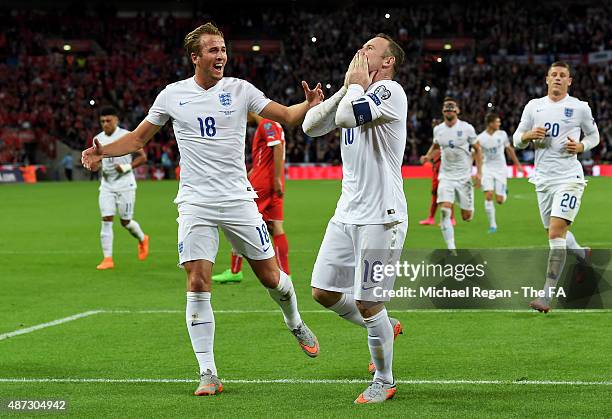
x=218, y=67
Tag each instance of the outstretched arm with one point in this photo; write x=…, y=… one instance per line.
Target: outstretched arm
x=294, y=115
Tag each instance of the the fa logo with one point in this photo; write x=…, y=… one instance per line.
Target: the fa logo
x=569, y=112
x=180, y=247
x=459, y=133
x=225, y=99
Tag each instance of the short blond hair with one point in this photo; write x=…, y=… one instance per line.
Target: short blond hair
x=192, y=39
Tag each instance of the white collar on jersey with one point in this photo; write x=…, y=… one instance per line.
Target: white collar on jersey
x=200, y=88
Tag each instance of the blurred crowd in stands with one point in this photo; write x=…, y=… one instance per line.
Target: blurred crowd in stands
x=54, y=94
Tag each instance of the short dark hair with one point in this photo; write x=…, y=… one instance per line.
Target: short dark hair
x=393, y=50
x=490, y=117
x=108, y=111
x=561, y=64
x=451, y=99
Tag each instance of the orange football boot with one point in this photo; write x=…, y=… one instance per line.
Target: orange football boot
x=107, y=263
x=143, y=248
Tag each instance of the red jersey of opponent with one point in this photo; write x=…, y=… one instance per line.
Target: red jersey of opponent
x=269, y=133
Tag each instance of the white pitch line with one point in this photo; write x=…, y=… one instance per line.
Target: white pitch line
x=423, y=310
x=305, y=381
x=49, y=324
x=420, y=311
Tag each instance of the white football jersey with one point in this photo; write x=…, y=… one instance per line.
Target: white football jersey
x=372, y=155
x=455, y=144
x=562, y=119
x=111, y=179
x=210, y=129
x=493, y=148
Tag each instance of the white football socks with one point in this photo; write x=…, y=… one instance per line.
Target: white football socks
x=347, y=309
x=556, y=263
x=285, y=297
x=490, y=210
x=574, y=247
x=106, y=238
x=134, y=228
x=380, y=342
x=201, y=327
x=447, y=228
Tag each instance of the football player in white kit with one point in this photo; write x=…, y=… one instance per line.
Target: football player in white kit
x=493, y=142
x=118, y=190
x=209, y=116
x=457, y=140
x=371, y=212
x=554, y=123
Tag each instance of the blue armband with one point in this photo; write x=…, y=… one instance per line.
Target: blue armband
x=362, y=112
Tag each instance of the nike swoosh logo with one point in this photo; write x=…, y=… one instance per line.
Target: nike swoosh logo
x=369, y=288
x=266, y=249
x=182, y=103
x=197, y=324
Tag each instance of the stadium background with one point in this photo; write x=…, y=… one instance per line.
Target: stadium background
x=128, y=355
x=60, y=63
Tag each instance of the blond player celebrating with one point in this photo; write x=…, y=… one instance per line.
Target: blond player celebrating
x=493, y=142
x=372, y=212
x=553, y=124
x=457, y=140
x=209, y=116
x=118, y=190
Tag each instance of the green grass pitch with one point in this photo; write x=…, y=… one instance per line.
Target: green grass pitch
x=49, y=247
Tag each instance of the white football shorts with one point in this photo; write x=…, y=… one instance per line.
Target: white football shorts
x=462, y=190
x=561, y=200
x=240, y=221
x=121, y=202
x=349, y=254
x=495, y=182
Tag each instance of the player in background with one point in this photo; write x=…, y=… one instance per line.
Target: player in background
x=435, y=171
x=371, y=212
x=456, y=139
x=268, y=178
x=553, y=124
x=493, y=142
x=118, y=189
x=209, y=116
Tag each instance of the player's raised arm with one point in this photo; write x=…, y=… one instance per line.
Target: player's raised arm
x=294, y=115
x=321, y=118
x=356, y=108
x=129, y=143
x=387, y=101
